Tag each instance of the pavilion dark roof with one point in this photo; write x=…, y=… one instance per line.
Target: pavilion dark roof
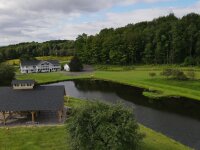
x=23, y=82
x=41, y=98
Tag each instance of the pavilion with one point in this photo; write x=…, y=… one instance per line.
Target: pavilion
x=24, y=97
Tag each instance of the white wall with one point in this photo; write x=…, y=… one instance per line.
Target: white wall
x=45, y=66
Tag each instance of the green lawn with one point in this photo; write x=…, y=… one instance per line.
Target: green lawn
x=34, y=138
x=57, y=138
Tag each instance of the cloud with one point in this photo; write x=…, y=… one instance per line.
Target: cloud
x=114, y=20
x=41, y=20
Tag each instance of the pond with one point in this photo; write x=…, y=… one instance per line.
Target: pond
x=178, y=118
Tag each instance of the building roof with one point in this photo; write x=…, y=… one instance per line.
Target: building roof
x=30, y=62
x=23, y=82
x=54, y=62
x=41, y=98
x=36, y=62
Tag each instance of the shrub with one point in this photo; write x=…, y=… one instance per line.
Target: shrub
x=167, y=72
x=191, y=74
x=152, y=74
x=75, y=64
x=174, y=74
x=178, y=75
x=127, y=68
x=189, y=61
x=197, y=61
x=99, y=126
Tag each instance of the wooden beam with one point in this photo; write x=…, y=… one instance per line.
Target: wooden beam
x=59, y=116
x=33, y=117
x=4, y=118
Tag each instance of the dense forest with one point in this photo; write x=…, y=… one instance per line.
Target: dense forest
x=165, y=40
x=33, y=49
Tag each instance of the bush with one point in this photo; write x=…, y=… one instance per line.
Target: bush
x=7, y=74
x=98, y=126
x=75, y=64
x=128, y=68
x=197, y=61
x=191, y=74
x=178, y=75
x=167, y=72
x=189, y=61
x=174, y=74
x=152, y=74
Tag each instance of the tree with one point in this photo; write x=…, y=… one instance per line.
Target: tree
x=7, y=74
x=75, y=64
x=27, y=57
x=1, y=58
x=100, y=126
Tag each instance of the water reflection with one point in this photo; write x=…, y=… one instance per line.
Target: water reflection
x=177, y=118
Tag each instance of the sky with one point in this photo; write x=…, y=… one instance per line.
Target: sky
x=43, y=20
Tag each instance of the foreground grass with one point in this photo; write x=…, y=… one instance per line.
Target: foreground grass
x=57, y=137
x=34, y=138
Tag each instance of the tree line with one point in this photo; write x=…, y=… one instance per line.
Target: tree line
x=165, y=40
x=34, y=49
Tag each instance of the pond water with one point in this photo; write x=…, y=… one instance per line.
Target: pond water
x=178, y=118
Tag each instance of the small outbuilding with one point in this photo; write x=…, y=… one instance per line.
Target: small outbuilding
x=66, y=67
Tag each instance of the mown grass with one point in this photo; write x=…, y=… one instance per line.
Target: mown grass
x=34, y=138
x=57, y=137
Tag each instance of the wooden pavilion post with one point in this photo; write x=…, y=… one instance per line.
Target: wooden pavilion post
x=33, y=116
x=4, y=118
x=59, y=116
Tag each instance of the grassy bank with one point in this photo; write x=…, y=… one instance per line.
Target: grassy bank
x=57, y=138
x=141, y=78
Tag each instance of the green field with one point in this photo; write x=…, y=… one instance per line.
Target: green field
x=57, y=138
x=63, y=59
x=137, y=76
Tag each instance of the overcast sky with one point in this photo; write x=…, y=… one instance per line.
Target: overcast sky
x=42, y=20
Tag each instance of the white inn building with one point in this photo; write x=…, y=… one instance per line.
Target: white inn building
x=37, y=66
